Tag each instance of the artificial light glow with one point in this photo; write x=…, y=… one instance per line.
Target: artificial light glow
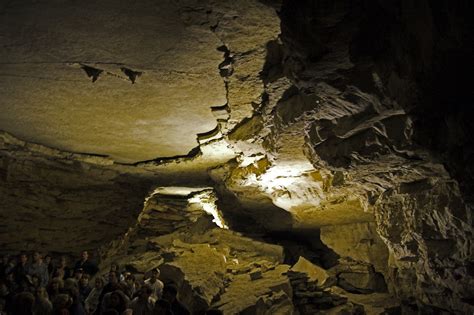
x=203, y=196
x=206, y=200
x=249, y=160
x=178, y=190
x=174, y=191
x=283, y=175
x=217, y=150
x=289, y=184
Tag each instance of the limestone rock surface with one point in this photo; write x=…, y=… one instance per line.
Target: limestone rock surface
x=234, y=130
x=315, y=273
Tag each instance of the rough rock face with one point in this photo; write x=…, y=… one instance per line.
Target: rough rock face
x=211, y=266
x=385, y=86
x=66, y=202
x=359, y=241
x=345, y=123
x=430, y=243
x=216, y=268
x=59, y=201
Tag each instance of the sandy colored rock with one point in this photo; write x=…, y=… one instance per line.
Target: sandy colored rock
x=429, y=236
x=315, y=273
x=359, y=241
x=60, y=106
x=243, y=293
x=342, y=132
x=374, y=303
x=199, y=273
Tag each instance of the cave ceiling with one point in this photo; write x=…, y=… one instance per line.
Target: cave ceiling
x=343, y=124
x=129, y=81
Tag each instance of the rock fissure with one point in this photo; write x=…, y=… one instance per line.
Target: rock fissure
x=91, y=72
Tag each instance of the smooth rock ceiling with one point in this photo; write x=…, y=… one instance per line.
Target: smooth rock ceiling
x=48, y=98
x=338, y=131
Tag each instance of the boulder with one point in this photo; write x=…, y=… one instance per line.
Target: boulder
x=315, y=273
x=199, y=275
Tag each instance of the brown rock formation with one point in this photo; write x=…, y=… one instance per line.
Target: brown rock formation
x=222, y=140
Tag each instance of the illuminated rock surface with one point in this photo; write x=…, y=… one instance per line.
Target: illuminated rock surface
x=247, y=148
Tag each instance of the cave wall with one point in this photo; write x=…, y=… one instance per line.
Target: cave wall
x=401, y=66
x=346, y=123
x=60, y=202
x=418, y=52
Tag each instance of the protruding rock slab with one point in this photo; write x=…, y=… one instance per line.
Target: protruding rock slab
x=199, y=273
x=315, y=273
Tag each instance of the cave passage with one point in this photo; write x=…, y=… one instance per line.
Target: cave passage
x=236, y=157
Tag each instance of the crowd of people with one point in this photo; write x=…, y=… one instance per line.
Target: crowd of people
x=47, y=286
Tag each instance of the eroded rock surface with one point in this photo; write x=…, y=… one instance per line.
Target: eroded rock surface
x=66, y=202
x=347, y=123
x=211, y=266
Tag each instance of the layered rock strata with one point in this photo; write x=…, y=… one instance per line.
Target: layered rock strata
x=343, y=122
x=216, y=268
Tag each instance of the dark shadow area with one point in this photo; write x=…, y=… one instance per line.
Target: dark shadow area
x=92, y=72
x=306, y=243
x=273, y=67
x=421, y=51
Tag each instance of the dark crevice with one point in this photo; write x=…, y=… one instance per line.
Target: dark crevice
x=195, y=152
x=273, y=67
x=225, y=70
x=223, y=48
x=92, y=72
x=306, y=243
x=222, y=113
x=131, y=74
x=208, y=134
x=226, y=67
x=224, y=107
